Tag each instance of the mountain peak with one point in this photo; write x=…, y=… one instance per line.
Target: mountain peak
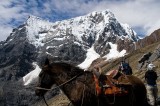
x=36, y=25
x=33, y=17
x=106, y=12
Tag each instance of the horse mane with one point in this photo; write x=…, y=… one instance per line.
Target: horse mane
x=70, y=69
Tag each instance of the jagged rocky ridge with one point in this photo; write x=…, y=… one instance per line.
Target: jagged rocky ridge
x=66, y=40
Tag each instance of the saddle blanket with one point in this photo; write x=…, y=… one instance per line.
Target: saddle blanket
x=117, y=84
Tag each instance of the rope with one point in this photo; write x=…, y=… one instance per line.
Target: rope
x=96, y=96
x=69, y=103
x=83, y=91
x=44, y=88
x=111, y=81
x=45, y=100
x=83, y=96
x=58, y=85
x=114, y=98
x=55, y=87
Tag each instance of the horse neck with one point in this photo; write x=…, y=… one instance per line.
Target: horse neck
x=66, y=73
x=75, y=88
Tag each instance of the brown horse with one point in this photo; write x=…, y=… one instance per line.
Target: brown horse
x=79, y=87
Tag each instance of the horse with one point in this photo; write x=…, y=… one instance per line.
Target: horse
x=79, y=86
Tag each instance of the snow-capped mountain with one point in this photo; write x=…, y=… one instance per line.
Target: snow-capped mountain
x=82, y=28
x=85, y=29
x=74, y=40
x=78, y=41
x=97, y=29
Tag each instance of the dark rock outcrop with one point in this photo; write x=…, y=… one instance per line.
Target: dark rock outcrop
x=16, y=56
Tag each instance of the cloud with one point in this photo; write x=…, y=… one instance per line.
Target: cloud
x=139, y=14
x=5, y=31
x=136, y=13
x=9, y=17
x=143, y=13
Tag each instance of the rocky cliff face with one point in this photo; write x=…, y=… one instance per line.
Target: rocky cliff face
x=66, y=40
x=154, y=37
x=16, y=54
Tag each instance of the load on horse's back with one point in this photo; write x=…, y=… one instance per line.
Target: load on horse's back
x=125, y=68
x=112, y=83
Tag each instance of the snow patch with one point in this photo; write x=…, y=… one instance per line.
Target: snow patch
x=90, y=56
x=32, y=76
x=129, y=31
x=114, y=53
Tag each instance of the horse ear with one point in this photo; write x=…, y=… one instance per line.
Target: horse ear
x=47, y=61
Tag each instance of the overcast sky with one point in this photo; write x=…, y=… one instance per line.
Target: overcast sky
x=142, y=15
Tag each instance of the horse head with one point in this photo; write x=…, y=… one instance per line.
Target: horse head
x=45, y=79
